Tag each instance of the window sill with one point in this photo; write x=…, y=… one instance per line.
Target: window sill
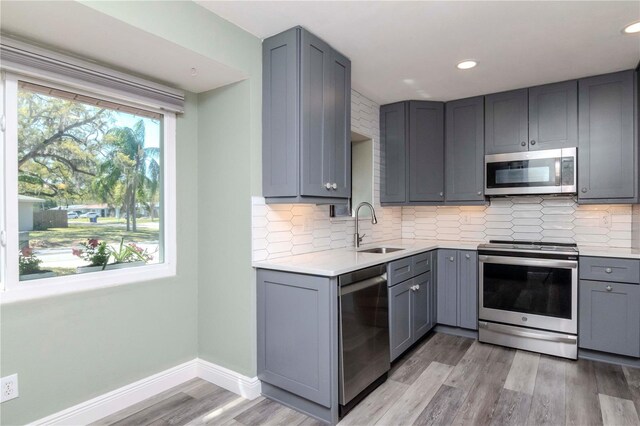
x=58, y=286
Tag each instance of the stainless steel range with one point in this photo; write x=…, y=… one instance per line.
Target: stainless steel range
x=528, y=296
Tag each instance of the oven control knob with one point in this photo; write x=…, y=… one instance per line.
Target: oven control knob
x=524, y=319
x=609, y=288
x=608, y=270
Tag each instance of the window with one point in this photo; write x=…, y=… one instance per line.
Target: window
x=89, y=190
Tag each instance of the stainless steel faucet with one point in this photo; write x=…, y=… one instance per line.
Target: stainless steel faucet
x=357, y=239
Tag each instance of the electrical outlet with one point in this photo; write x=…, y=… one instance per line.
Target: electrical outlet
x=8, y=387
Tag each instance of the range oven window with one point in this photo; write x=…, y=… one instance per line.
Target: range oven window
x=523, y=173
x=527, y=289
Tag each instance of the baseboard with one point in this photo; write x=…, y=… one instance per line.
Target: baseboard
x=244, y=386
x=119, y=399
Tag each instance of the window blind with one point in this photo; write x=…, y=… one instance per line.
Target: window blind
x=25, y=58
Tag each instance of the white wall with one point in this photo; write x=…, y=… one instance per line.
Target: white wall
x=25, y=216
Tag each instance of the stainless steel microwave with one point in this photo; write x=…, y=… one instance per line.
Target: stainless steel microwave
x=551, y=171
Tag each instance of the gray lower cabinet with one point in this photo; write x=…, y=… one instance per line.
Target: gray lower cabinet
x=464, y=151
x=411, y=301
x=306, y=120
x=298, y=341
x=457, y=288
x=608, y=144
x=609, y=317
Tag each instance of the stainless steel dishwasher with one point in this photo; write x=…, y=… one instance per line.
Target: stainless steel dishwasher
x=364, y=359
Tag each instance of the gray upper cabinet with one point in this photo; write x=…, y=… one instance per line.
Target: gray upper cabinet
x=553, y=116
x=306, y=120
x=393, y=161
x=412, y=153
x=506, y=122
x=608, y=146
x=464, y=150
x=426, y=151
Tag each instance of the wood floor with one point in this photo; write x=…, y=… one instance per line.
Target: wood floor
x=445, y=380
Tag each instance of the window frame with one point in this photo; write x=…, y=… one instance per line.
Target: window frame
x=12, y=289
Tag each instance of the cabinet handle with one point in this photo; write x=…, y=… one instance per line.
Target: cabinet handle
x=583, y=190
x=468, y=256
x=523, y=143
x=609, y=288
x=327, y=185
x=533, y=142
x=451, y=259
x=418, y=287
x=441, y=194
x=608, y=270
x=334, y=186
x=479, y=192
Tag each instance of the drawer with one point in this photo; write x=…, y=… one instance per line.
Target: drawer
x=422, y=263
x=610, y=269
x=400, y=270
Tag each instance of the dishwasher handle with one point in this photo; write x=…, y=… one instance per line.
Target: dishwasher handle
x=361, y=285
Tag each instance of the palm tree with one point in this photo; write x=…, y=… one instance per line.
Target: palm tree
x=133, y=165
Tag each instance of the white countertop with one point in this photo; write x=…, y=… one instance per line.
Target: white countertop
x=331, y=263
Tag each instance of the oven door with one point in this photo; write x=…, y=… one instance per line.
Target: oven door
x=529, y=292
x=536, y=172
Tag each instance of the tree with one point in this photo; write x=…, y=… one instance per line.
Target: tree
x=58, y=144
x=130, y=167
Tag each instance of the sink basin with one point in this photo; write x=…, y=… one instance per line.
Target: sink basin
x=381, y=250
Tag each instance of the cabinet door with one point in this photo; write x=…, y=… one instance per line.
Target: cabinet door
x=317, y=130
x=464, y=150
x=468, y=289
x=421, y=299
x=280, y=128
x=340, y=159
x=400, y=313
x=506, y=122
x=447, y=287
x=393, y=161
x=609, y=317
x=426, y=151
x=607, y=150
x=553, y=116
x=294, y=333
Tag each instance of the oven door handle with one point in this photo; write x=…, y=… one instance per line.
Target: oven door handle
x=506, y=260
x=527, y=333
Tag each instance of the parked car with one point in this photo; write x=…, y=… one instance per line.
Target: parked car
x=90, y=215
x=72, y=215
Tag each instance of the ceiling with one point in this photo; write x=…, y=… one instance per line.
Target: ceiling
x=409, y=50
x=91, y=35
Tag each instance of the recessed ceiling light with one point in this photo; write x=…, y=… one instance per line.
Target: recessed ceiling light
x=632, y=28
x=465, y=65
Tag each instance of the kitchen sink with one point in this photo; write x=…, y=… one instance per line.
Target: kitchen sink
x=382, y=250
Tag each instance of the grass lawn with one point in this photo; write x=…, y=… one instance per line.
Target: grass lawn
x=78, y=232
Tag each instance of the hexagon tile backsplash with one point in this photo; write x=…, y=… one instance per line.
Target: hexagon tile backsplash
x=285, y=230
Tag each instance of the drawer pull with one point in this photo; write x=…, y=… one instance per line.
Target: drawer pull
x=608, y=270
x=609, y=288
x=451, y=259
x=468, y=256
